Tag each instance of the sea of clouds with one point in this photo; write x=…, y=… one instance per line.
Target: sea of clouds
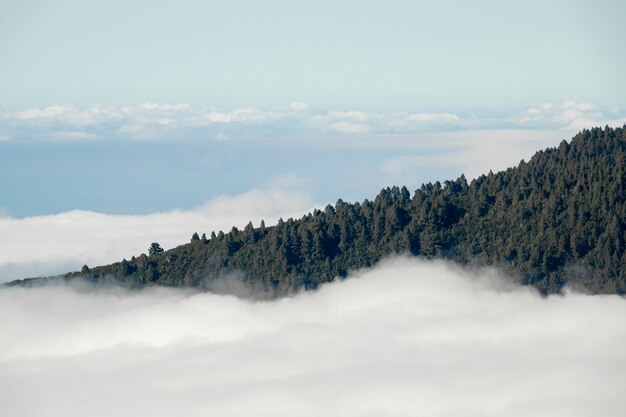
x=406, y=338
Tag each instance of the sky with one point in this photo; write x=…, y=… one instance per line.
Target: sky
x=368, y=55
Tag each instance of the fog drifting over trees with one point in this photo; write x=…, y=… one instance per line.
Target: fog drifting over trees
x=407, y=338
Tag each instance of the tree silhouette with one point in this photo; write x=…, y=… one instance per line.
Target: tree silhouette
x=155, y=248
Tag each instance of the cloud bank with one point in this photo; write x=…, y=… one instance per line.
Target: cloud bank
x=150, y=120
x=55, y=244
x=404, y=339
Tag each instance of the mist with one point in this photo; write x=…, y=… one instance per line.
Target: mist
x=408, y=337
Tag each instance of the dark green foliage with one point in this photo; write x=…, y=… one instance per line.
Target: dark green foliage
x=557, y=219
x=154, y=249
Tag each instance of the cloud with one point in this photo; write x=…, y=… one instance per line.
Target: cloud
x=152, y=120
x=298, y=106
x=72, y=135
x=567, y=115
x=358, y=122
x=470, y=152
x=349, y=127
x=68, y=116
x=149, y=105
x=252, y=116
x=406, y=338
x=139, y=122
x=54, y=244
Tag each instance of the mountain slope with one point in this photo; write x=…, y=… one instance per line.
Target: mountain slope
x=557, y=219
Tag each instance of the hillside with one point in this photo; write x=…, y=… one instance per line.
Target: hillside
x=556, y=219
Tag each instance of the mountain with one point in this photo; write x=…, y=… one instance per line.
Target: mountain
x=557, y=219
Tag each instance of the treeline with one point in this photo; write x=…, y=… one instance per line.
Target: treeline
x=557, y=219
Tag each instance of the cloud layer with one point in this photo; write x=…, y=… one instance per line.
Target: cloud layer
x=155, y=120
x=54, y=244
x=407, y=338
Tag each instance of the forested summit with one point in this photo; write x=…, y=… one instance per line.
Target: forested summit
x=557, y=219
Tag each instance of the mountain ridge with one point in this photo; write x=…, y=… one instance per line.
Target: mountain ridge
x=556, y=220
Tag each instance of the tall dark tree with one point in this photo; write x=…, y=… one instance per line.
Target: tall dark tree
x=154, y=249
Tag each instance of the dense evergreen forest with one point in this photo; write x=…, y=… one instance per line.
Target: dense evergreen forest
x=557, y=219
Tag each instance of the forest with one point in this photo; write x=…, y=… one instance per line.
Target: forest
x=556, y=220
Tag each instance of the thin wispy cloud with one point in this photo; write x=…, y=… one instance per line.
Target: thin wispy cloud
x=406, y=338
x=471, y=153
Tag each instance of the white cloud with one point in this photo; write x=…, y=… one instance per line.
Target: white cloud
x=567, y=115
x=68, y=115
x=153, y=120
x=47, y=245
x=357, y=116
x=351, y=122
x=407, y=338
x=50, y=112
x=137, y=122
x=349, y=127
x=253, y=116
x=298, y=106
x=149, y=105
x=72, y=135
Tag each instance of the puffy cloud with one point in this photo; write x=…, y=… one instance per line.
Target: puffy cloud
x=68, y=115
x=349, y=127
x=357, y=116
x=406, y=338
x=298, y=106
x=153, y=120
x=149, y=105
x=137, y=122
x=351, y=122
x=244, y=116
x=567, y=115
x=53, y=244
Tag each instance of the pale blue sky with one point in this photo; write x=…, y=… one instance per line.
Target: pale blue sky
x=374, y=55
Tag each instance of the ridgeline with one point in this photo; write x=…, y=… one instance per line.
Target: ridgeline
x=556, y=219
